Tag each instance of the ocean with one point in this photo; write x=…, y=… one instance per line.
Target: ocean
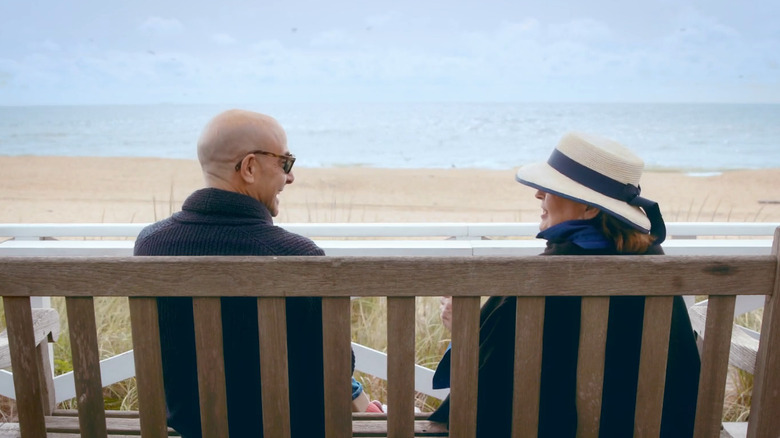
x=696, y=138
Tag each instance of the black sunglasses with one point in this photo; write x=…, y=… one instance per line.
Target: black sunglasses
x=287, y=165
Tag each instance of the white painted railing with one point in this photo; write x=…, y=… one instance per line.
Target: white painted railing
x=388, y=239
x=367, y=239
x=418, y=229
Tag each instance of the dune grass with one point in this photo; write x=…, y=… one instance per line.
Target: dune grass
x=369, y=328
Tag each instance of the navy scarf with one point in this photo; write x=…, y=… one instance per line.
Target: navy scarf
x=583, y=233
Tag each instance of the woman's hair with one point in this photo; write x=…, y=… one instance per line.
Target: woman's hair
x=627, y=239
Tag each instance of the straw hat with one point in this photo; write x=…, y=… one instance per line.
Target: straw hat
x=599, y=172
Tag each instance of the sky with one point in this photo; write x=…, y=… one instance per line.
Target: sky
x=149, y=52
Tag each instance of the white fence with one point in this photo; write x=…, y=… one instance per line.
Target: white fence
x=367, y=239
x=388, y=239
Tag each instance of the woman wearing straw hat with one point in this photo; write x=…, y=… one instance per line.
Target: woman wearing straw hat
x=589, y=190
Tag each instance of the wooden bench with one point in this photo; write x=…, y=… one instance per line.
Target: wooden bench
x=400, y=279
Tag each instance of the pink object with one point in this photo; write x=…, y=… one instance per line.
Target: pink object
x=374, y=406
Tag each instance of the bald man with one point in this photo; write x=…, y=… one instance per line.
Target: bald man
x=246, y=152
x=246, y=164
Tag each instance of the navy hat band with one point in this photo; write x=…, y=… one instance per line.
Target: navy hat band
x=614, y=189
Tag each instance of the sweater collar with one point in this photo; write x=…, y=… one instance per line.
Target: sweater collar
x=218, y=202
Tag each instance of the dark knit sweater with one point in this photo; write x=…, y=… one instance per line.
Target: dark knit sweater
x=218, y=222
x=557, y=405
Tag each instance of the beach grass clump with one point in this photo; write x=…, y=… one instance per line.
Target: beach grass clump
x=112, y=319
x=739, y=391
x=369, y=328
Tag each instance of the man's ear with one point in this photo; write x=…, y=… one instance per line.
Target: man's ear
x=590, y=212
x=249, y=169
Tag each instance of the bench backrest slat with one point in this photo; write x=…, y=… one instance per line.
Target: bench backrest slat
x=272, y=331
x=401, y=321
x=337, y=357
x=86, y=365
x=764, y=419
x=21, y=340
x=212, y=391
x=652, y=366
x=714, y=366
x=465, y=362
x=148, y=366
x=590, y=364
x=529, y=326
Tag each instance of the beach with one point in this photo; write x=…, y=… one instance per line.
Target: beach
x=53, y=189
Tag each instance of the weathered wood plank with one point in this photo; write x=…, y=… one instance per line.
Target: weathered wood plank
x=744, y=347
x=272, y=326
x=714, y=366
x=86, y=365
x=363, y=416
x=45, y=379
x=399, y=276
x=764, y=418
x=381, y=416
x=363, y=426
x=400, y=365
x=148, y=366
x=590, y=364
x=21, y=339
x=337, y=358
x=422, y=428
x=125, y=423
x=109, y=413
x=652, y=366
x=46, y=326
x=122, y=426
x=211, y=366
x=528, y=366
x=465, y=363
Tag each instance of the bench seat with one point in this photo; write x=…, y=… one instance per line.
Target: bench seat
x=363, y=425
x=65, y=423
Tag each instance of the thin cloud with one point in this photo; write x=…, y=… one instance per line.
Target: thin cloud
x=332, y=38
x=161, y=26
x=223, y=39
x=46, y=46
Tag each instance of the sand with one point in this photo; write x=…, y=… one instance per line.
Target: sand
x=140, y=190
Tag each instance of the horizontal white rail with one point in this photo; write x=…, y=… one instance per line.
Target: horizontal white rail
x=463, y=248
x=443, y=229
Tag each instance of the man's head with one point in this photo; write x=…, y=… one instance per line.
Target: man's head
x=246, y=152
